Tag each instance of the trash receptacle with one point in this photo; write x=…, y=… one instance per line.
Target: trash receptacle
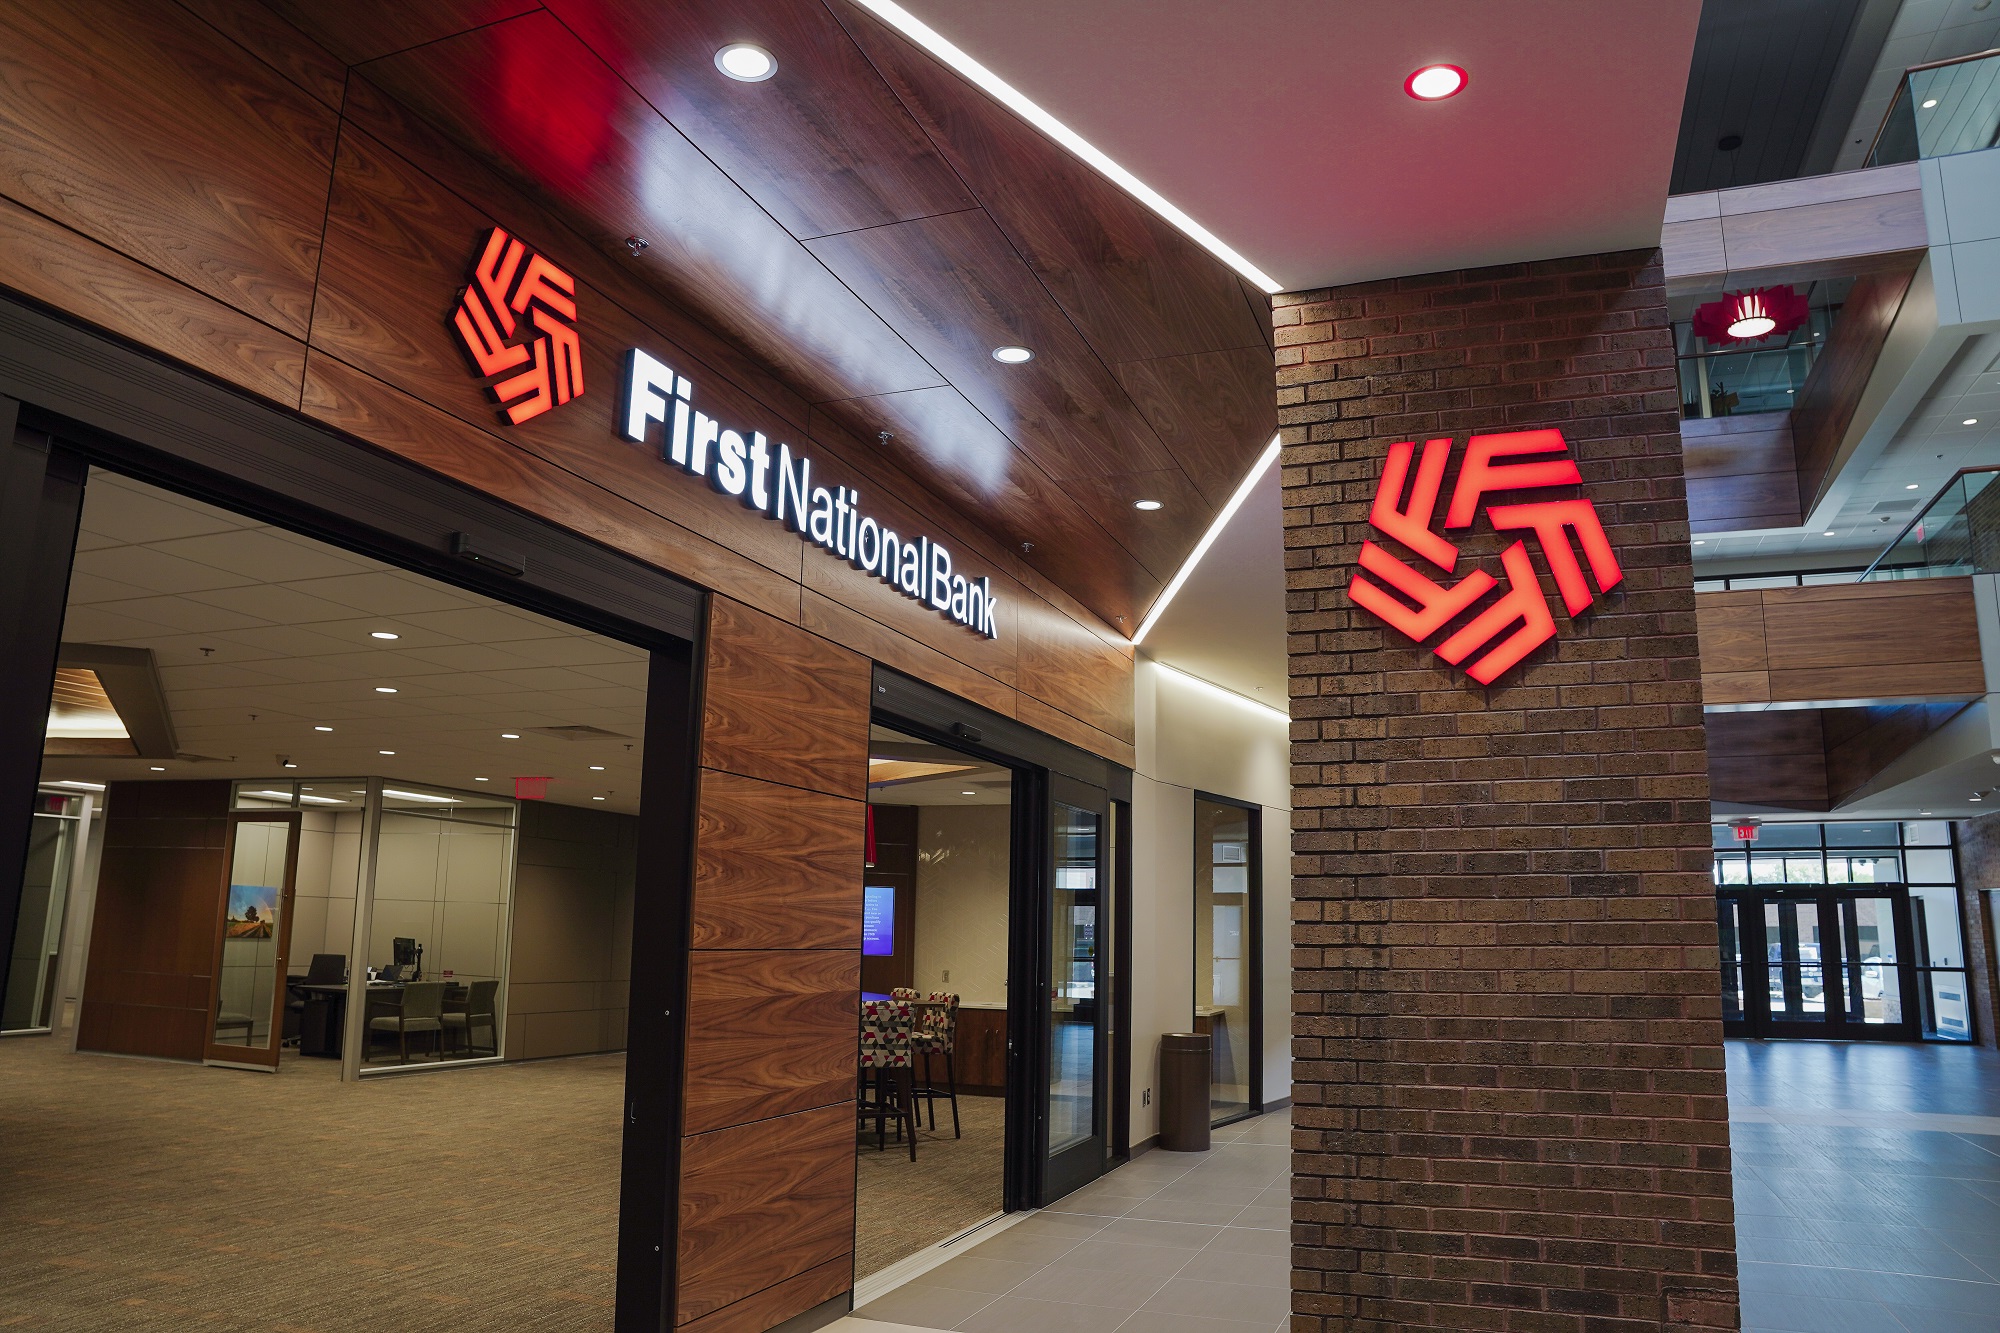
x=1184, y=1091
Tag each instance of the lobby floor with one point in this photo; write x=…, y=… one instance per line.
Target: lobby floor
x=1867, y=1201
x=1867, y=1187
x=1171, y=1243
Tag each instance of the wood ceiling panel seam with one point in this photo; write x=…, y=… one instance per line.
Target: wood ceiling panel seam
x=326, y=83
x=1028, y=461
x=753, y=379
x=716, y=280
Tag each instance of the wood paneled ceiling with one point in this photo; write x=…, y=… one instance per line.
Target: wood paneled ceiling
x=870, y=226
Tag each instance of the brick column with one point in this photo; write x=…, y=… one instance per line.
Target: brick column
x=1509, y=1092
x=1979, y=870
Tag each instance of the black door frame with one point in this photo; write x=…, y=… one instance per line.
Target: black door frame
x=1836, y=981
x=72, y=398
x=1039, y=762
x=1253, y=927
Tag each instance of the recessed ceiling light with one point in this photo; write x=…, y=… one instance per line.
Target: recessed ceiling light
x=383, y=634
x=1148, y=505
x=597, y=768
x=385, y=752
x=1923, y=812
x=385, y=689
x=1791, y=391
x=322, y=728
x=87, y=786
x=1911, y=487
x=158, y=769
x=510, y=735
x=1970, y=421
x=1434, y=83
x=482, y=779
x=597, y=798
x=746, y=63
x=1701, y=541
x=968, y=793
x=1012, y=356
x=1929, y=104
x=1827, y=533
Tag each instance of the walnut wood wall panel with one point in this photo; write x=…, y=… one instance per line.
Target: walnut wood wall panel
x=1845, y=642
x=1832, y=391
x=763, y=1204
x=139, y=127
x=1861, y=742
x=767, y=1177
x=240, y=246
x=777, y=867
x=1740, y=472
x=1775, y=759
x=153, y=929
x=1794, y=231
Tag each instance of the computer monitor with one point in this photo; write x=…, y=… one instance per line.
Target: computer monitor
x=406, y=951
x=328, y=969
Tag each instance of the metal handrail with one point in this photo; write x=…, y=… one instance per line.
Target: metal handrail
x=1903, y=85
x=1923, y=513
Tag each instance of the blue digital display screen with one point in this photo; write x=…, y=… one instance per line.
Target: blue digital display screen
x=878, y=920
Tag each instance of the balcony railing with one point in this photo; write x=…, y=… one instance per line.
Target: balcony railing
x=1952, y=106
x=1958, y=532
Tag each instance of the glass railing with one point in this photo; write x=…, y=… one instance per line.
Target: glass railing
x=1958, y=532
x=1949, y=107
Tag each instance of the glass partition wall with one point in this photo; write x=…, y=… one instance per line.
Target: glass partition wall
x=1227, y=985
x=416, y=884
x=30, y=1000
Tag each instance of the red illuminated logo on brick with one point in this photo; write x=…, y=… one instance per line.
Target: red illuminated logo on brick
x=1494, y=634
x=516, y=320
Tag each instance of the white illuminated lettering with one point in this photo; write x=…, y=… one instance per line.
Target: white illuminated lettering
x=789, y=499
x=779, y=485
x=729, y=476
x=706, y=429
x=649, y=384
x=867, y=552
x=820, y=524
x=759, y=494
x=940, y=571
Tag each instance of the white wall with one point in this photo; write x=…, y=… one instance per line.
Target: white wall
x=964, y=854
x=1192, y=736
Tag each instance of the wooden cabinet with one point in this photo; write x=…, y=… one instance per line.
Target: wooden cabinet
x=981, y=1058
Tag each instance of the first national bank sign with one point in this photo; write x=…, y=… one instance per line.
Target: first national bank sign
x=517, y=322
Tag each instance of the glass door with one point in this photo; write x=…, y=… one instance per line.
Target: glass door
x=1228, y=978
x=1820, y=962
x=1076, y=1007
x=247, y=997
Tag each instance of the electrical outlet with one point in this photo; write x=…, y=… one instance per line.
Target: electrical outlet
x=947, y=974
x=1146, y=1097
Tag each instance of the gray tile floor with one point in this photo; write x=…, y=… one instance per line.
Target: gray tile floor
x=1170, y=1243
x=1867, y=1201
x=1867, y=1187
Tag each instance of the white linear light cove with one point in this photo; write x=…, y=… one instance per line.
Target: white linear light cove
x=1226, y=693
x=1014, y=100
x=1257, y=470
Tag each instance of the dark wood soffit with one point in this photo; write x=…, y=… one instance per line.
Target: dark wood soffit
x=1153, y=375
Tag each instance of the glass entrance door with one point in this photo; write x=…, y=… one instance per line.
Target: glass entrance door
x=1820, y=962
x=1077, y=1009
x=247, y=997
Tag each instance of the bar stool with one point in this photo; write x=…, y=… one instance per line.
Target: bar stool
x=937, y=1034
x=888, y=1035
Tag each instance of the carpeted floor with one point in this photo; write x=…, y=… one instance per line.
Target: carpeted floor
x=144, y=1195
x=904, y=1206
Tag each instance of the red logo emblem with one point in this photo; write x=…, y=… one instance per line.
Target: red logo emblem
x=1493, y=464
x=516, y=319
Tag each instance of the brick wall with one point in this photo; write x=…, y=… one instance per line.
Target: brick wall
x=1509, y=1093
x=1979, y=870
